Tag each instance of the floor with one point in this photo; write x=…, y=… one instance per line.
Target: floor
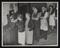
x=51, y=40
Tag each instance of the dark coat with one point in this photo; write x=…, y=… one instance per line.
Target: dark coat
x=31, y=25
x=21, y=26
x=36, y=29
x=10, y=34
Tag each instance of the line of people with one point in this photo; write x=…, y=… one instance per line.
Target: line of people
x=31, y=26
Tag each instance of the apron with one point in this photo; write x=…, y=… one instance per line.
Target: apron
x=44, y=23
x=52, y=20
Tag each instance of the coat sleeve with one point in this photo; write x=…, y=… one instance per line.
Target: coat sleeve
x=31, y=25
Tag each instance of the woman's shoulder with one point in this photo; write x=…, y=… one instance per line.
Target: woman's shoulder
x=46, y=12
x=38, y=13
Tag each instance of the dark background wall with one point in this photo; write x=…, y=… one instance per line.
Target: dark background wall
x=27, y=7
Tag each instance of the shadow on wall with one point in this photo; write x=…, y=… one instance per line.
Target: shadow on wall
x=5, y=11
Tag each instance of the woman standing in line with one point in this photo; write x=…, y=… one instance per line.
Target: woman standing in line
x=52, y=18
x=44, y=23
x=10, y=30
x=28, y=30
x=21, y=29
x=21, y=24
x=36, y=22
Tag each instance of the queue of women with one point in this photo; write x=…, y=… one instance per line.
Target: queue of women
x=30, y=29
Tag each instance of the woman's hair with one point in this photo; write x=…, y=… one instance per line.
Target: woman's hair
x=13, y=14
x=53, y=9
x=43, y=13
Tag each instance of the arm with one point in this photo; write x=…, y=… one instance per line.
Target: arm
x=14, y=20
x=32, y=16
x=46, y=15
x=55, y=18
x=41, y=17
x=38, y=16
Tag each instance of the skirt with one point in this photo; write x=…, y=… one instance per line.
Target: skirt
x=21, y=38
x=36, y=30
x=29, y=37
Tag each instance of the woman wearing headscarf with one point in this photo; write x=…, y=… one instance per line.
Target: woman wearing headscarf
x=10, y=30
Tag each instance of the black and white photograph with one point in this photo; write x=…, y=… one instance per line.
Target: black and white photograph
x=29, y=24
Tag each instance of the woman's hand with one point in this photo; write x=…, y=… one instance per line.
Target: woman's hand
x=19, y=18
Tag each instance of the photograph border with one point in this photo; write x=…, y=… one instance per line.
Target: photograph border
x=30, y=45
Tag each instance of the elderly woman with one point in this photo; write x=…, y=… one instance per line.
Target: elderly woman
x=10, y=31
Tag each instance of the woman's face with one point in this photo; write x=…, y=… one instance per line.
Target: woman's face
x=43, y=9
x=50, y=9
x=35, y=9
x=11, y=18
x=27, y=15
